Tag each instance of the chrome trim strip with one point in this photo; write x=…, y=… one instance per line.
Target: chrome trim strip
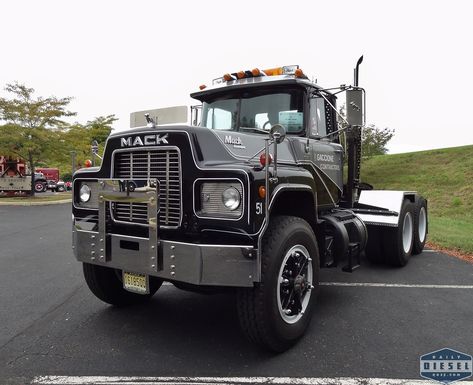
x=199, y=245
x=323, y=182
x=167, y=183
x=247, y=158
x=309, y=162
x=288, y=186
x=226, y=232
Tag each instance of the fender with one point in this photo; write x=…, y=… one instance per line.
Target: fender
x=308, y=186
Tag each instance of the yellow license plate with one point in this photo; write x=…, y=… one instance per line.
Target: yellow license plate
x=135, y=282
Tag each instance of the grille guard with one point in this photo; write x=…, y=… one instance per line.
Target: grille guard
x=118, y=190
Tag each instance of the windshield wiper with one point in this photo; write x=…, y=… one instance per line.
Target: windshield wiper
x=254, y=129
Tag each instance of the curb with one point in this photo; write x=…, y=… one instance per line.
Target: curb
x=45, y=203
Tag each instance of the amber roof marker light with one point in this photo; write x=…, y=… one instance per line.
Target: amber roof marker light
x=228, y=77
x=257, y=72
x=291, y=70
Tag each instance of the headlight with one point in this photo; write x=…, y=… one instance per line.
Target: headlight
x=84, y=193
x=220, y=199
x=231, y=198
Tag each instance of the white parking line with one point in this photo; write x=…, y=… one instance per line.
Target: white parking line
x=104, y=380
x=376, y=284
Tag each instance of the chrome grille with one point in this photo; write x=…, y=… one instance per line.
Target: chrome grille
x=162, y=164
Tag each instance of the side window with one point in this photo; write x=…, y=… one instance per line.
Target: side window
x=317, y=117
x=261, y=119
x=219, y=119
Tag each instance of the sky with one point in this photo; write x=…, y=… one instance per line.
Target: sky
x=116, y=57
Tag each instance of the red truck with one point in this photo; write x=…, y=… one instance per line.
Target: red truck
x=49, y=173
x=52, y=176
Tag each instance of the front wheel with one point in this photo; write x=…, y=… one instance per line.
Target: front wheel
x=39, y=187
x=277, y=311
x=105, y=283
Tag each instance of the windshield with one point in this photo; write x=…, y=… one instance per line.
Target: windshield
x=255, y=112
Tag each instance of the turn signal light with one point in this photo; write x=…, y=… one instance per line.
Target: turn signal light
x=262, y=159
x=262, y=191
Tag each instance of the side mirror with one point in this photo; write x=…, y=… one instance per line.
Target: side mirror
x=355, y=107
x=277, y=133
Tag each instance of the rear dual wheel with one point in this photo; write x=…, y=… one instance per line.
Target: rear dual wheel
x=420, y=225
x=276, y=312
x=399, y=243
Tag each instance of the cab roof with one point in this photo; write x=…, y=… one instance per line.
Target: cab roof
x=279, y=76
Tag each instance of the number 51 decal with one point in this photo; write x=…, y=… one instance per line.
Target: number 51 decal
x=259, y=208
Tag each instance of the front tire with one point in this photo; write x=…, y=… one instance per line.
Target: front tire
x=105, y=284
x=276, y=312
x=39, y=187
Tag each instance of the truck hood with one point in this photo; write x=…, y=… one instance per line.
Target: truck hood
x=209, y=146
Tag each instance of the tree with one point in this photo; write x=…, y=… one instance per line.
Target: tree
x=373, y=139
x=31, y=125
x=78, y=138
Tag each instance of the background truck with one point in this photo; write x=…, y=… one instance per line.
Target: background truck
x=253, y=199
x=52, y=177
x=14, y=178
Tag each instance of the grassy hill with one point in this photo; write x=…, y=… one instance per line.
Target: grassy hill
x=444, y=177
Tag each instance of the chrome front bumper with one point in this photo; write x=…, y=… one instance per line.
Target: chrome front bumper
x=198, y=264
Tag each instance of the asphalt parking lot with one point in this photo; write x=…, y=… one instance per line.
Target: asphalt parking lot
x=373, y=323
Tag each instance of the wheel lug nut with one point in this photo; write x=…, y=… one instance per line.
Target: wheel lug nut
x=287, y=311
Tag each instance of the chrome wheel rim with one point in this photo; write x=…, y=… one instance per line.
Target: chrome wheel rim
x=294, y=284
x=422, y=228
x=407, y=233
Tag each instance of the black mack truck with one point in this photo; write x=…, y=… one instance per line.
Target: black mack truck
x=253, y=199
